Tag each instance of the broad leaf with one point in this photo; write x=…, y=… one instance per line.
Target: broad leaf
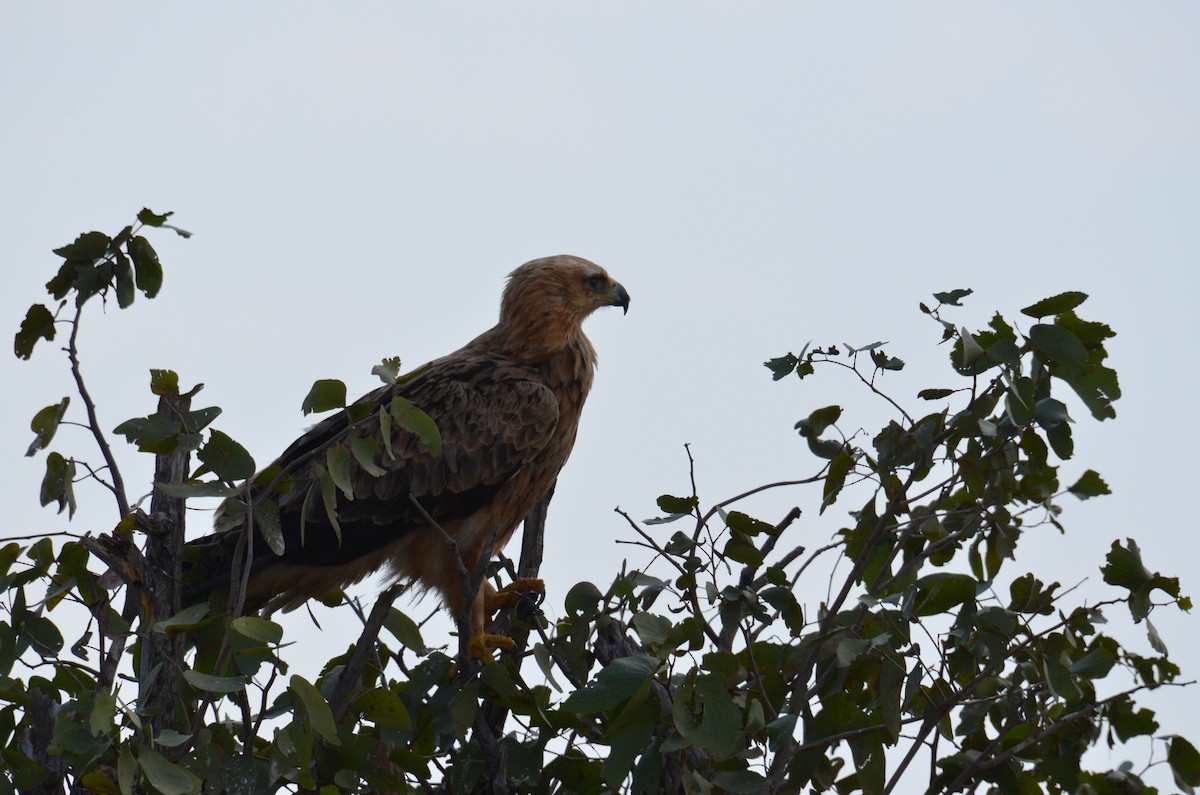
x=320, y=716
x=226, y=458
x=146, y=267
x=415, y=421
x=1063, y=302
x=326, y=394
x=45, y=424
x=615, y=683
x=38, y=324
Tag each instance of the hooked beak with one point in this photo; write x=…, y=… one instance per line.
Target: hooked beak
x=619, y=297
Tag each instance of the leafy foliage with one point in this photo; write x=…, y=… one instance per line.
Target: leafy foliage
x=700, y=671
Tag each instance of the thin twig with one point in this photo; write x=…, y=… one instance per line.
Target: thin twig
x=118, y=483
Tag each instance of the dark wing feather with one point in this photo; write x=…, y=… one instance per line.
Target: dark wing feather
x=493, y=421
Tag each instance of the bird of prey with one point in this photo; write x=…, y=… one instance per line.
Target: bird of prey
x=507, y=407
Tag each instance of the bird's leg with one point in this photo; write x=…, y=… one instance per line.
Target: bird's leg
x=511, y=594
x=488, y=601
x=483, y=643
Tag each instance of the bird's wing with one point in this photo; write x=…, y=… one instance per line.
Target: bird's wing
x=492, y=421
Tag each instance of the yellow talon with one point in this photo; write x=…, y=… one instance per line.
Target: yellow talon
x=511, y=594
x=482, y=645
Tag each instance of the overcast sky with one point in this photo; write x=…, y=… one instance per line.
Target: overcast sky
x=360, y=180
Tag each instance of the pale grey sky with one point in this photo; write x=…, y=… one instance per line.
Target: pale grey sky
x=360, y=179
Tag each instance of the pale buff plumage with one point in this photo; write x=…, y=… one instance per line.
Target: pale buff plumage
x=507, y=405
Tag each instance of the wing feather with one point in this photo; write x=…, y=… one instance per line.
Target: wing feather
x=493, y=421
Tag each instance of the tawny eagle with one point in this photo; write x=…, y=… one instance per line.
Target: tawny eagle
x=507, y=405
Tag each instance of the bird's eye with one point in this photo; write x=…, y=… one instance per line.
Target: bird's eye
x=597, y=283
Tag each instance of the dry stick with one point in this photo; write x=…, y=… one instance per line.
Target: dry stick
x=532, y=543
x=161, y=579
x=118, y=483
x=363, y=650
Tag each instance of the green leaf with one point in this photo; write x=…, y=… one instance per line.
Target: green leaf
x=935, y=394
x=364, y=450
x=1060, y=440
x=146, y=266
x=850, y=649
x=824, y=448
x=815, y=424
x=415, y=421
x=781, y=730
x=1061, y=683
x=627, y=736
x=165, y=776
x=781, y=367
x=187, y=618
x=199, y=488
x=1097, y=387
x=214, y=684
x=720, y=729
x=615, y=683
x=384, y=708
x=744, y=523
x=582, y=598
x=57, y=484
x=266, y=520
x=1059, y=346
x=226, y=458
x=101, y=719
x=1094, y=665
x=45, y=425
x=1124, y=569
x=337, y=460
x=937, y=593
x=150, y=218
x=87, y=247
x=126, y=769
x=123, y=278
x=257, y=628
x=1090, y=484
x=741, y=782
x=835, y=478
x=1050, y=412
x=405, y=630
x=320, y=716
x=741, y=549
x=388, y=370
x=1184, y=761
x=1124, y=566
x=1063, y=302
x=169, y=738
x=885, y=362
x=952, y=297
x=44, y=634
x=677, y=505
x=38, y=324
x=1127, y=722
x=972, y=351
x=326, y=394
x=164, y=382
x=328, y=500
x=652, y=629
x=158, y=433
